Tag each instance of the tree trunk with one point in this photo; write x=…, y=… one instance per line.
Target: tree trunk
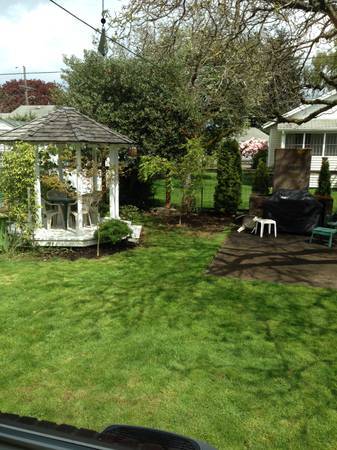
x=168, y=194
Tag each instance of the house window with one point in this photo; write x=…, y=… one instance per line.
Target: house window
x=315, y=142
x=294, y=140
x=331, y=145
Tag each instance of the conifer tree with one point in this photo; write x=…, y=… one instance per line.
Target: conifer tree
x=324, y=180
x=227, y=195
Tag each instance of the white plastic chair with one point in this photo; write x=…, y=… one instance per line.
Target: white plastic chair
x=86, y=206
x=263, y=222
x=50, y=214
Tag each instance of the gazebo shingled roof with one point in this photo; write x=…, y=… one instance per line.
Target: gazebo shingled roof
x=65, y=125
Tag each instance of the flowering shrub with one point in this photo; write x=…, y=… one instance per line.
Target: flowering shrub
x=252, y=147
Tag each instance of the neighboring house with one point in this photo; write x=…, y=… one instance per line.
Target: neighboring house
x=319, y=134
x=25, y=110
x=6, y=125
x=252, y=133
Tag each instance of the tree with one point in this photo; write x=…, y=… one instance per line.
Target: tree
x=12, y=93
x=215, y=26
x=17, y=185
x=188, y=170
x=226, y=71
x=311, y=22
x=152, y=166
x=324, y=179
x=129, y=95
x=151, y=105
x=282, y=91
x=261, y=179
x=227, y=195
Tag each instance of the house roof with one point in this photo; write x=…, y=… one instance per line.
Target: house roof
x=303, y=111
x=252, y=133
x=12, y=123
x=64, y=125
x=34, y=110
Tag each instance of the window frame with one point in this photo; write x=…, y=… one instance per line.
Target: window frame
x=304, y=134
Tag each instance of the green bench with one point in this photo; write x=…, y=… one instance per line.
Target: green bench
x=324, y=232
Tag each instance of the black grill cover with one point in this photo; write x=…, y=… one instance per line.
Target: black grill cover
x=294, y=211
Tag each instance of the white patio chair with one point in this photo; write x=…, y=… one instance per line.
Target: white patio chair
x=55, y=211
x=86, y=213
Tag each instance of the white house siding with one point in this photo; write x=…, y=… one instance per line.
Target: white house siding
x=275, y=139
x=274, y=142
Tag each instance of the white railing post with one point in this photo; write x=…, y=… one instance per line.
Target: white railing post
x=79, y=222
x=37, y=189
x=114, y=184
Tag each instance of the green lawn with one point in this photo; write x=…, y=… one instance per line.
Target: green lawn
x=146, y=337
x=204, y=199
x=208, y=192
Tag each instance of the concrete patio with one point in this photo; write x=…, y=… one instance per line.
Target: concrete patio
x=286, y=259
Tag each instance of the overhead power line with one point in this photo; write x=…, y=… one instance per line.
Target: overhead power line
x=96, y=30
x=29, y=73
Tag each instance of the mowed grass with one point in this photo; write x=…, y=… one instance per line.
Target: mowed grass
x=146, y=337
x=205, y=199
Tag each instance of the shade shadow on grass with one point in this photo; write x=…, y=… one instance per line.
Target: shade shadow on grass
x=146, y=337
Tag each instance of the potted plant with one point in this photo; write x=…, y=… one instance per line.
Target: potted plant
x=323, y=192
x=260, y=189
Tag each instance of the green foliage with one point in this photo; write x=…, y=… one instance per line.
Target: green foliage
x=153, y=166
x=261, y=155
x=9, y=242
x=227, y=195
x=261, y=179
x=190, y=171
x=324, y=180
x=133, y=190
x=281, y=77
x=112, y=231
x=23, y=117
x=152, y=106
x=17, y=185
x=53, y=182
x=130, y=212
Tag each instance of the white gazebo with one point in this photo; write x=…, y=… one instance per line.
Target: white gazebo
x=67, y=128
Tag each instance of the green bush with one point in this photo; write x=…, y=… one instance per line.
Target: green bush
x=112, y=231
x=261, y=155
x=261, y=179
x=130, y=212
x=324, y=180
x=227, y=195
x=17, y=183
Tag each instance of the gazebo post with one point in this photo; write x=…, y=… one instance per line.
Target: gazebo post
x=79, y=222
x=59, y=162
x=37, y=189
x=114, y=183
x=94, y=164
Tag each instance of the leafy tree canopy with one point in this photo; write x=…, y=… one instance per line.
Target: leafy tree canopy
x=12, y=93
x=151, y=105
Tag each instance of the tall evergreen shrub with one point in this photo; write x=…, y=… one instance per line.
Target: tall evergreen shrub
x=261, y=179
x=227, y=195
x=324, y=180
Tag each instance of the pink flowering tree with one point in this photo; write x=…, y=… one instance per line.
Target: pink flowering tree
x=249, y=149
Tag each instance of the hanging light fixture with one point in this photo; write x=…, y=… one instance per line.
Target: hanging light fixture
x=103, y=43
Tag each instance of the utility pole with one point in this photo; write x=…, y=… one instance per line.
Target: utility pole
x=25, y=85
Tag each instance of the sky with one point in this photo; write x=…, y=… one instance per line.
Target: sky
x=36, y=34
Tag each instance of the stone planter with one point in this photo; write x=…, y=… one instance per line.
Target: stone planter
x=256, y=204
